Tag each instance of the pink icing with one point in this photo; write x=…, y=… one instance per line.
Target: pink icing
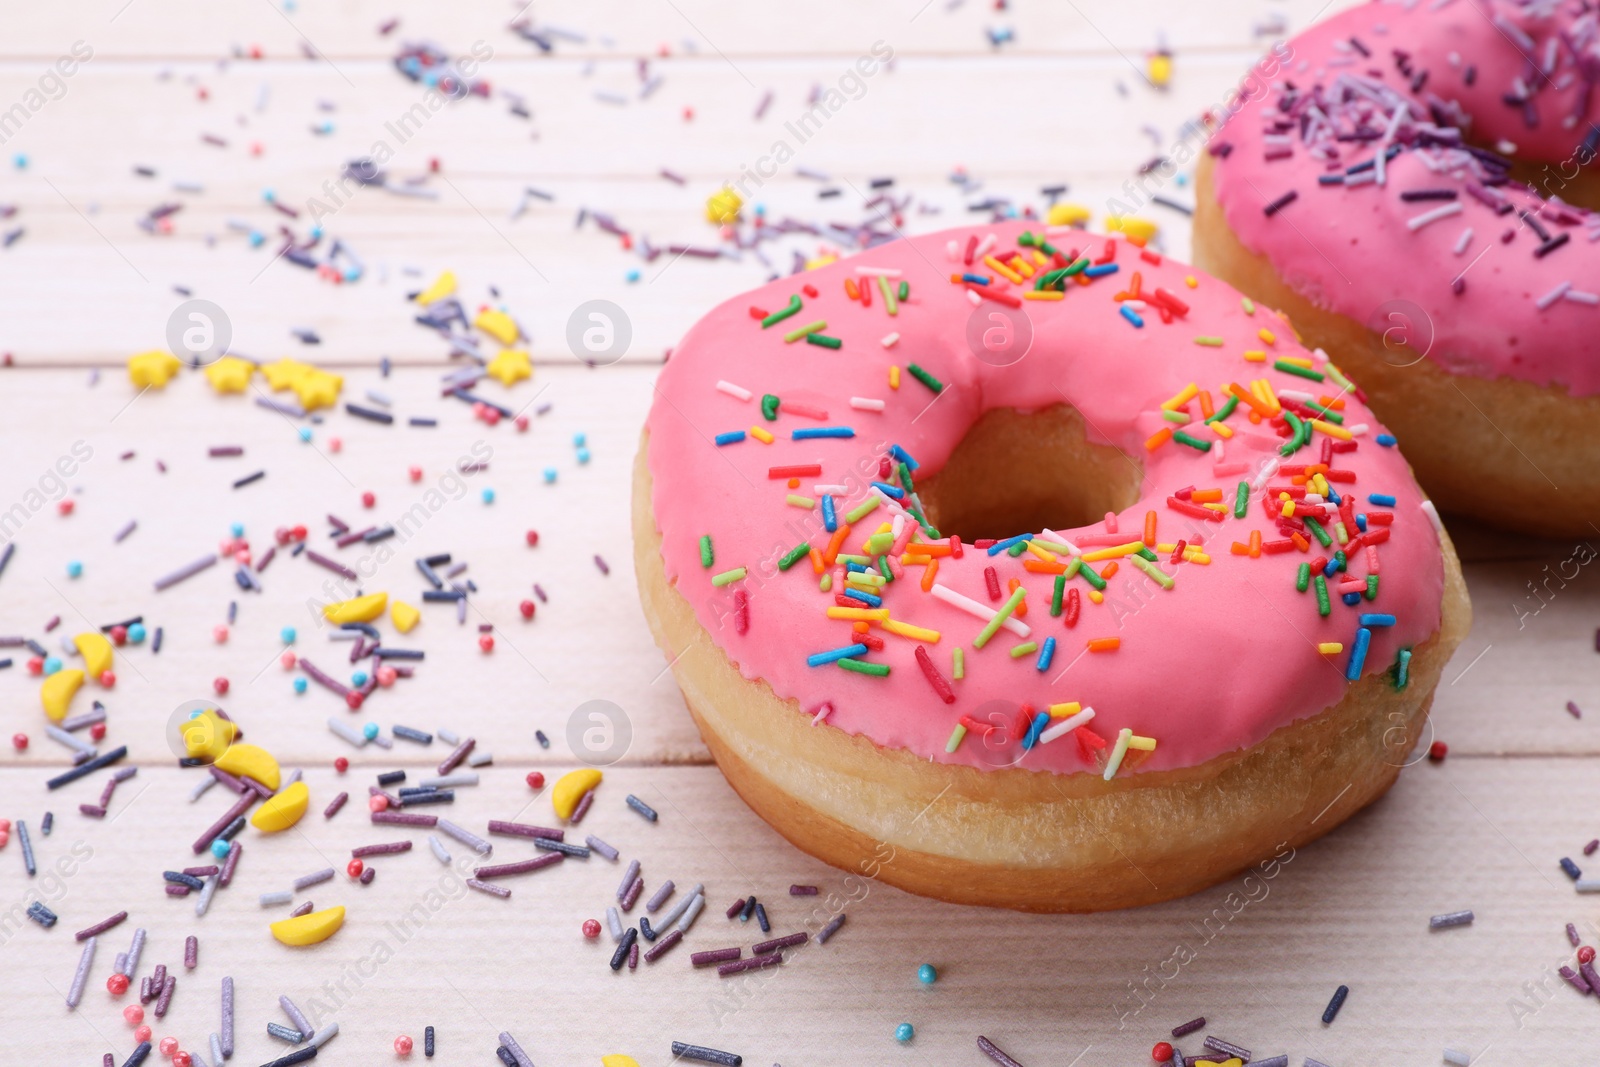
x=1348, y=249
x=1211, y=666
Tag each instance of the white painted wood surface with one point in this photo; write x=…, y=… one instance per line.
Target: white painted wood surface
x=83, y=288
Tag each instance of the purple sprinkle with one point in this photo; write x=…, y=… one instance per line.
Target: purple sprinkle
x=598, y=562
x=1282, y=202
x=1572, y=935
x=1573, y=710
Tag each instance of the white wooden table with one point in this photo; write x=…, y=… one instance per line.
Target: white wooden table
x=84, y=287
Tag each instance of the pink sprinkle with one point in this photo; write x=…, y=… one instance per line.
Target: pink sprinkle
x=1573, y=708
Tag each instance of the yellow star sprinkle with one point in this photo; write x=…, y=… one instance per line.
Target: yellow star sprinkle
x=510, y=366
x=444, y=286
x=723, y=206
x=153, y=368
x=317, y=389
x=284, y=373
x=230, y=374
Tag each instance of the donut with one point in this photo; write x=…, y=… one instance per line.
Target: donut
x=1035, y=570
x=1409, y=192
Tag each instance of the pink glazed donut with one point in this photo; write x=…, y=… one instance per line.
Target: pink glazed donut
x=1412, y=191
x=1036, y=570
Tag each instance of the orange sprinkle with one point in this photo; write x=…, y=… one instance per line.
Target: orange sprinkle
x=1104, y=644
x=1149, y=527
x=928, y=572
x=1247, y=397
x=1300, y=542
x=850, y=289
x=1205, y=404
x=1011, y=587
x=1239, y=549
x=1157, y=439
x=1039, y=566
x=861, y=626
x=794, y=483
x=1109, y=569
x=1332, y=403
x=817, y=566
x=928, y=550
x=1255, y=544
x=1199, y=496
x=831, y=553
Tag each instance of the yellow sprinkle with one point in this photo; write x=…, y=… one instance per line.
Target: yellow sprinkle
x=1116, y=552
x=1255, y=355
x=1267, y=335
x=864, y=614
x=1221, y=430
x=1044, y=294
x=1061, y=711
x=894, y=376
x=1190, y=281
x=1330, y=648
x=1331, y=430
x=1288, y=508
x=1189, y=392
x=1020, y=265
x=1214, y=506
x=798, y=501
x=1143, y=744
x=1096, y=597
x=761, y=435
x=1299, y=361
x=1043, y=553
x=915, y=633
x=1000, y=268
x=1194, y=555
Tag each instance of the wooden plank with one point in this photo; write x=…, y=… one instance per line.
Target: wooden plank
x=1258, y=956
x=708, y=30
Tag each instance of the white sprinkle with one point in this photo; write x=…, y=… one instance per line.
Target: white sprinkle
x=282, y=896
x=449, y=737
x=1457, y=1057
x=890, y=340
x=880, y=272
x=1433, y=516
x=1463, y=241
x=985, y=246
x=348, y=734
x=973, y=298
x=614, y=922
x=952, y=250
x=692, y=914
x=1359, y=429
x=866, y=403
x=326, y=1034
x=480, y=757
x=206, y=893
x=1118, y=751
x=81, y=975
x=440, y=853
x=1552, y=296
x=450, y=781
x=982, y=611
x=835, y=490
x=1297, y=394
x=1587, y=885
x=1417, y=222
x=1066, y=726
x=680, y=907
x=1578, y=296
x=822, y=713
x=466, y=837
x=739, y=392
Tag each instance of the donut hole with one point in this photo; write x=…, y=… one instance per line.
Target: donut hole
x=1016, y=472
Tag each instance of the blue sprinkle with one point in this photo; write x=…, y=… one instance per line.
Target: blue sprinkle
x=904, y=457
x=926, y=974
x=1376, y=620
x=299, y=685
x=820, y=431
x=894, y=492
x=580, y=439
x=488, y=495
x=1000, y=546
x=287, y=635
x=1361, y=521
x=549, y=475
x=369, y=731
x=1047, y=653
x=136, y=633
x=1130, y=314
x=830, y=518
x=904, y=1032
x=305, y=433
x=583, y=455
x=632, y=275
x=975, y=279
x=1351, y=599
x=358, y=679
x=1035, y=728
x=856, y=568
x=74, y=569
x=52, y=664
x=820, y=659
x=1571, y=868
x=1358, y=654
x=1385, y=439
x=219, y=849
x=1100, y=271
x=238, y=529
x=1383, y=500
x=866, y=598
x=732, y=437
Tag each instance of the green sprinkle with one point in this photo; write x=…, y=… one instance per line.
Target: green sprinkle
x=1090, y=576
x=1342, y=560
x=1050, y=277
x=905, y=478
x=1301, y=434
x=1325, y=414
x=1402, y=669
x=1017, y=549
x=1024, y=649
x=956, y=737
x=860, y=511
x=1074, y=565
x=925, y=378
x=1323, y=607
x=1302, y=578
x=1241, y=500
x=889, y=303
x=706, y=555
x=905, y=290
x=1144, y=552
x=1208, y=341
x=1050, y=546
x=794, y=335
x=1000, y=617
x=823, y=341
x=779, y=316
x=1248, y=305
x=1027, y=240
x=798, y=501
x=880, y=542
x=877, y=670
x=958, y=663
x=1076, y=268
x=1338, y=378
x=1176, y=416
x=1372, y=587
x=720, y=580
x=1224, y=411
x=826, y=584
x=1156, y=574
x=1298, y=371
x=769, y=407
x=883, y=568
x=793, y=556
x=1318, y=532
x=1055, y=595
x=1193, y=442
x=847, y=557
